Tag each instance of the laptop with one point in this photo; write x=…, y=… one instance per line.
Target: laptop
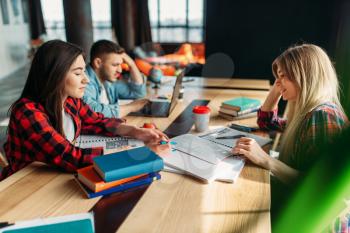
x=161, y=108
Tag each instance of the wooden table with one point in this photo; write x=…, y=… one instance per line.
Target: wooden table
x=222, y=83
x=176, y=203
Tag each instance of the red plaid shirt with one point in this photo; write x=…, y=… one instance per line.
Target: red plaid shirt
x=318, y=126
x=31, y=137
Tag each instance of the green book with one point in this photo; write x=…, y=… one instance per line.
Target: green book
x=241, y=104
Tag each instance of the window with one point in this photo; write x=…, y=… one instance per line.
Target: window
x=54, y=19
x=177, y=21
x=101, y=19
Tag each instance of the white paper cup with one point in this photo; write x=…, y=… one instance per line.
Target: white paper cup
x=201, y=116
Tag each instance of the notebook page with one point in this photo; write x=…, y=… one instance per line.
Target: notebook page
x=200, y=148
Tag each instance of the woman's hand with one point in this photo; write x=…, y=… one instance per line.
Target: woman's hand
x=273, y=97
x=145, y=135
x=276, y=88
x=249, y=148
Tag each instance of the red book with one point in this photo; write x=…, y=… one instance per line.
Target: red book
x=89, y=177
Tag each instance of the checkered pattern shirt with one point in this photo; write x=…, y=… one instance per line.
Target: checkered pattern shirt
x=318, y=126
x=31, y=136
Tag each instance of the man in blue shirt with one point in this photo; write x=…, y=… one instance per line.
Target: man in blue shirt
x=104, y=88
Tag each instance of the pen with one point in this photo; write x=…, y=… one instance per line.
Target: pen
x=242, y=128
x=231, y=137
x=166, y=142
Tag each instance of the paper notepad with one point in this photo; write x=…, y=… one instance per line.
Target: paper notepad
x=200, y=148
x=89, y=141
x=227, y=170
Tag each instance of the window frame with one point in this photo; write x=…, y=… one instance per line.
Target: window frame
x=185, y=26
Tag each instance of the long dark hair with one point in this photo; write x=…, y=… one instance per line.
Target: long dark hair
x=45, y=82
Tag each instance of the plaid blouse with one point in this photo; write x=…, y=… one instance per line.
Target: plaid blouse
x=318, y=126
x=31, y=137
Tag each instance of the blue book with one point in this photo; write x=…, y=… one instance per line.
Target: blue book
x=127, y=163
x=147, y=179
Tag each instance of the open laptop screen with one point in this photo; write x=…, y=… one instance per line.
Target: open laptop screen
x=176, y=91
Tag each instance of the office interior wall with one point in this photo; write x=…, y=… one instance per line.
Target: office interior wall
x=252, y=33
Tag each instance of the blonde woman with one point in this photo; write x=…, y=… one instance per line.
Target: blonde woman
x=306, y=78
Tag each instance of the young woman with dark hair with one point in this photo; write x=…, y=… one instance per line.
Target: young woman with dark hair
x=49, y=115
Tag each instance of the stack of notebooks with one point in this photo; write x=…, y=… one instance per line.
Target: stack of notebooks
x=238, y=108
x=119, y=171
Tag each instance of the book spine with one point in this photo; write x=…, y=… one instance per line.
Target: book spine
x=126, y=186
x=134, y=170
x=99, y=171
x=249, y=110
x=227, y=106
x=238, y=113
x=226, y=116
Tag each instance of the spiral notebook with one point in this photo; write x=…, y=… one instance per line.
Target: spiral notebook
x=89, y=141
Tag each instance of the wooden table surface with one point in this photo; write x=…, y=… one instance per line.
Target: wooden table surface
x=176, y=203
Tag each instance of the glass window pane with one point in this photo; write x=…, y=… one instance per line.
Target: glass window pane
x=54, y=19
x=172, y=12
x=195, y=12
x=155, y=35
x=195, y=35
x=101, y=19
x=153, y=12
x=102, y=33
x=172, y=35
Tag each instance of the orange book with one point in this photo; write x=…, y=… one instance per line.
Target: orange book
x=89, y=177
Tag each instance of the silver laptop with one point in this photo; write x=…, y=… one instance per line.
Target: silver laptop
x=162, y=108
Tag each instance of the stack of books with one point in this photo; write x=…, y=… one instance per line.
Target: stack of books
x=238, y=108
x=119, y=171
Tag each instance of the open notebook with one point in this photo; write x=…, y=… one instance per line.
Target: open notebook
x=207, y=157
x=89, y=141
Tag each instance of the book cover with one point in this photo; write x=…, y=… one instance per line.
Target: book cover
x=241, y=103
x=83, y=223
x=89, y=177
x=146, y=179
x=127, y=163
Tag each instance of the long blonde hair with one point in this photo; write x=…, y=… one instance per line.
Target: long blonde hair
x=310, y=68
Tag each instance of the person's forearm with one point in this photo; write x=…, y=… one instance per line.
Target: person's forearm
x=271, y=101
x=126, y=130
x=124, y=110
x=282, y=171
x=136, y=76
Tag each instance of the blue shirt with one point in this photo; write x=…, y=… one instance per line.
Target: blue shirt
x=121, y=89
